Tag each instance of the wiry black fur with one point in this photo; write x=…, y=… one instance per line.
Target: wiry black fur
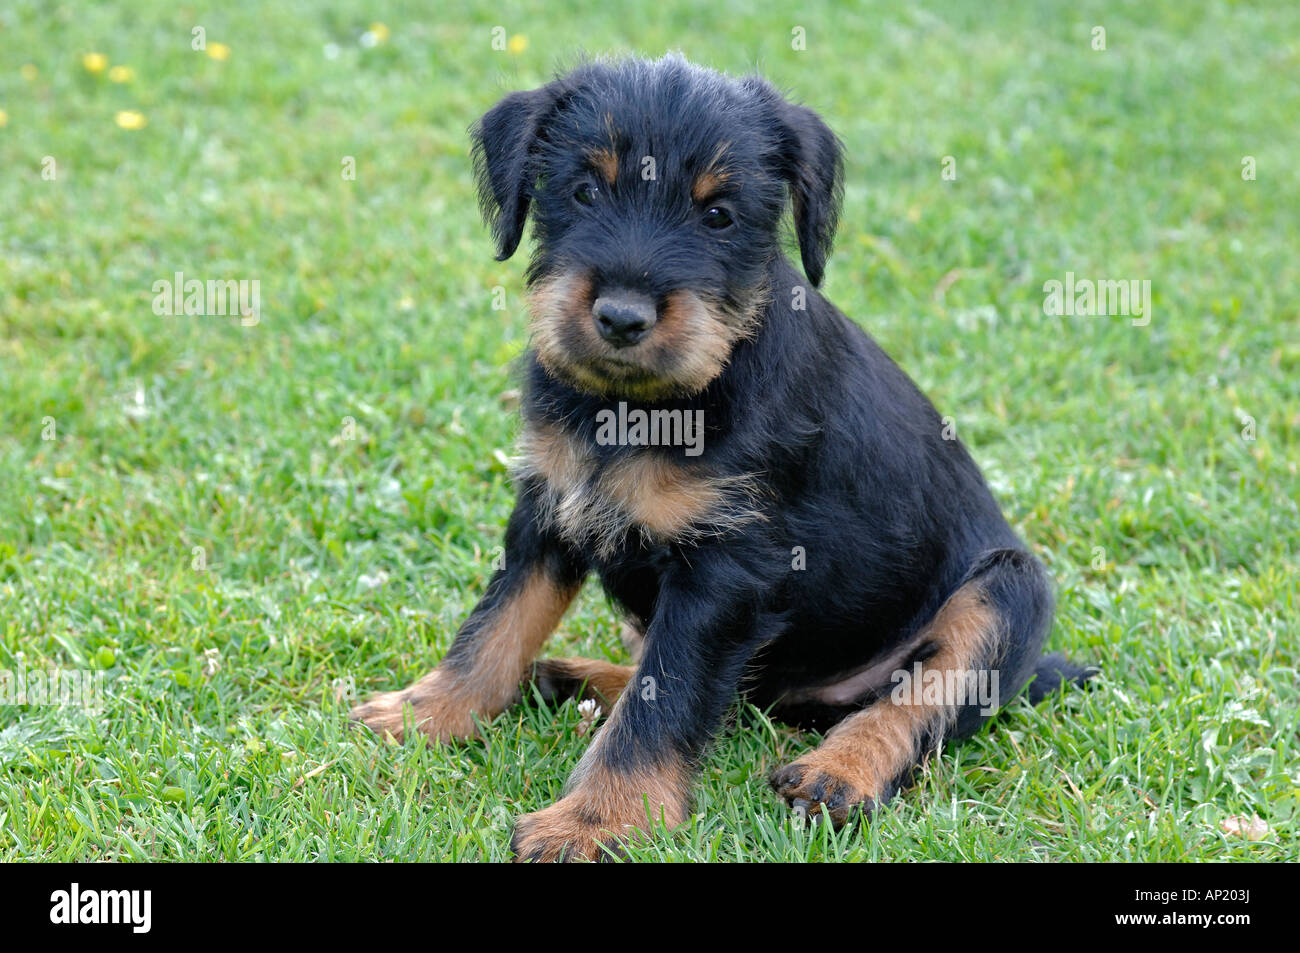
x=530, y=145
x=852, y=459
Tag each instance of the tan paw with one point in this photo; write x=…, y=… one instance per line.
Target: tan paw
x=818, y=783
x=567, y=831
x=603, y=813
x=432, y=705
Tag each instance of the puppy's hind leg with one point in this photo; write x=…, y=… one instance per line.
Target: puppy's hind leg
x=556, y=679
x=980, y=648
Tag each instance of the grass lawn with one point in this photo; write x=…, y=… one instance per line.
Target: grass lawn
x=242, y=524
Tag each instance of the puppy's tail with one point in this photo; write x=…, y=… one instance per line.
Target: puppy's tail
x=1053, y=671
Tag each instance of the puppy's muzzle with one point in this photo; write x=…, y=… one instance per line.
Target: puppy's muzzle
x=624, y=317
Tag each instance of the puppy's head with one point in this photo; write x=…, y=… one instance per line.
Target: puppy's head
x=657, y=191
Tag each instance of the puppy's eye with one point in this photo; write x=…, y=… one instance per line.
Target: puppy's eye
x=586, y=194
x=717, y=218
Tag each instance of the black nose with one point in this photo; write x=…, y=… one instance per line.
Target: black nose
x=623, y=317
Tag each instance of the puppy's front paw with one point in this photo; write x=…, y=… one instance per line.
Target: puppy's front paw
x=816, y=783
x=602, y=814
x=565, y=831
x=436, y=709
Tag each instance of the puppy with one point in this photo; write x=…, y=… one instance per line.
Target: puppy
x=772, y=502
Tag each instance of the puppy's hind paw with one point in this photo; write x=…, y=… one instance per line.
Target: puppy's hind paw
x=812, y=791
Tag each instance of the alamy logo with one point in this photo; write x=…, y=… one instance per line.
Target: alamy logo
x=949, y=688
x=134, y=907
x=179, y=295
x=60, y=687
x=1083, y=296
x=651, y=428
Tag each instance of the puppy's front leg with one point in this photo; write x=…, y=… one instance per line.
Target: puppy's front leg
x=639, y=768
x=481, y=672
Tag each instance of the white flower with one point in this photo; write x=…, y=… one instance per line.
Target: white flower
x=588, y=712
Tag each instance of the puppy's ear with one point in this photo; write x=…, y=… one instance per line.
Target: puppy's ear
x=813, y=164
x=504, y=142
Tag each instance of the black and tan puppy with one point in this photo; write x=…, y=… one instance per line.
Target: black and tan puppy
x=800, y=532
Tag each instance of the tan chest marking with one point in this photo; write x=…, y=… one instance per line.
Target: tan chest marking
x=643, y=492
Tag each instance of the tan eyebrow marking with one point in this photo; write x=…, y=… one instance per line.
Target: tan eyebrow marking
x=714, y=176
x=605, y=162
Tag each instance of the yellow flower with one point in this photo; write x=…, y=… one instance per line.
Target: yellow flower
x=121, y=74
x=518, y=43
x=28, y=72
x=380, y=32
x=95, y=62
x=219, y=51
x=130, y=119
x=4, y=119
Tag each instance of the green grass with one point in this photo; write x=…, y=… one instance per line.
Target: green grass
x=1117, y=451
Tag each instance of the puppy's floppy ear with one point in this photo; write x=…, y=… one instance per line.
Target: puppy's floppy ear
x=813, y=164
x=504, y=141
